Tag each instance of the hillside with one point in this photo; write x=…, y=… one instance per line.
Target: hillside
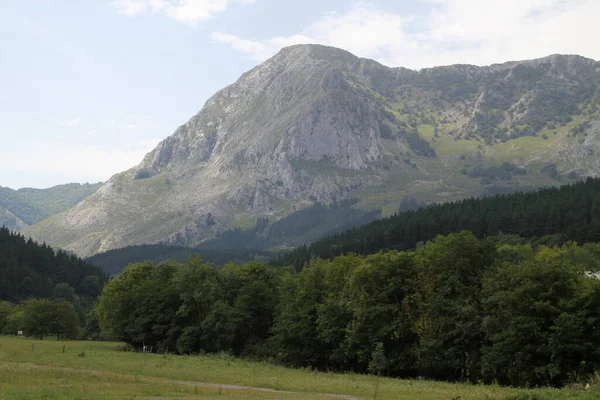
x=113, y=262
x=31, y=270
x=552, y=215
x=260, y=242
x=27, y=206
x=316, y=124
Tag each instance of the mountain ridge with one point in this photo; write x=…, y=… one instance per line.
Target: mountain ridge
x=317, y=124
x=27, y=206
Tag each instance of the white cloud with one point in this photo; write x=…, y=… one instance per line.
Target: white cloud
x=260, y=50
x=189, y=12
x=452, y=31
x=73, y=122
x=131, y=127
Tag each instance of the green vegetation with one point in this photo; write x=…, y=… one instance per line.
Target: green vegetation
x=30, y=270
x=59, y=198
x=112, y=262
x=300, y=227
x=41, y=317
x=43, y=292
x=34, y=205
x=95, y=370
x=572, y=212
x=504, y=172
x=15, y=203
x=259, y=242
x=456, y=309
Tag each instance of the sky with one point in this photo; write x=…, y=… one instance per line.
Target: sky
x=87, y=88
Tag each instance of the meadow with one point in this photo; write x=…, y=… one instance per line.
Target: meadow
x=57, y=370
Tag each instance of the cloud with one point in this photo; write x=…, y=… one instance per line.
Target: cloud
x=73, y=122
x=131, y=127
x=449, y=32
x=260, y=50
x=189, y=12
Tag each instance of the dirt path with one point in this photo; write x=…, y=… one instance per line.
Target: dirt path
x=187, y=383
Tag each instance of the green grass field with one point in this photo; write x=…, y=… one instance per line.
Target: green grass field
x=95, y=370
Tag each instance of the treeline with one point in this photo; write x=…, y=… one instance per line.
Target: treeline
x=299, y=228
x=113, y=261
x=30, y=273
x=40, y=318
x=457, y=308
x=256, y=243
x=573, y=211
x=30, y=270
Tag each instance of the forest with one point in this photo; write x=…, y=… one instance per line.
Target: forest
x=504, y=289
x=260, y=242
x=113, y=261
x=456, y=308
x=41, y=289
x=570, y=212
x=300, y=227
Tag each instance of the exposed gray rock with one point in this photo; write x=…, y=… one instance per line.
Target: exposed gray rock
x=306, y=126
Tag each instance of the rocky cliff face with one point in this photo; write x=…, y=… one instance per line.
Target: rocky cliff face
x=316, y=124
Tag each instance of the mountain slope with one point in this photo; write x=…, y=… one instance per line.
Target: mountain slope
x=27, y=206
x=549, y=215
x=317, y=124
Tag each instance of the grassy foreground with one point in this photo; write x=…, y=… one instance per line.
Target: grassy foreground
x=95, y=370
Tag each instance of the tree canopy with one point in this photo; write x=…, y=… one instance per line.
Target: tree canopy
x=572, y=212
x=30, y=270
x=456, y=308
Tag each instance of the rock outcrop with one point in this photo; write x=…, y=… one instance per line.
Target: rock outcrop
x=317, y=124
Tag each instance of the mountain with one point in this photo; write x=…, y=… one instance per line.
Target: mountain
x=27, y=206
x=316, y=124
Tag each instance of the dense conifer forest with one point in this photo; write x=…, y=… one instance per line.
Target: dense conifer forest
x=572, y=212
x=43, y=291
x=112, y=262
x=28, y=269
x=300, y=227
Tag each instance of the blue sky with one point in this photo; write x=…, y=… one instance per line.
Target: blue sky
x=88, y=87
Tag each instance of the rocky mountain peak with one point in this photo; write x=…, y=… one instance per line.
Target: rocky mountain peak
x=317, y=124
x=275, y=113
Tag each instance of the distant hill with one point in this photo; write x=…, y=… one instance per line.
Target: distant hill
x=27, y=206
x=571, y=212
x=32, y=270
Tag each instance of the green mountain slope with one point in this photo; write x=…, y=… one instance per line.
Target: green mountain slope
x=571, y=212
x=260, y=242
x=27, y=206
x=15, y=205
x=59, y=198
